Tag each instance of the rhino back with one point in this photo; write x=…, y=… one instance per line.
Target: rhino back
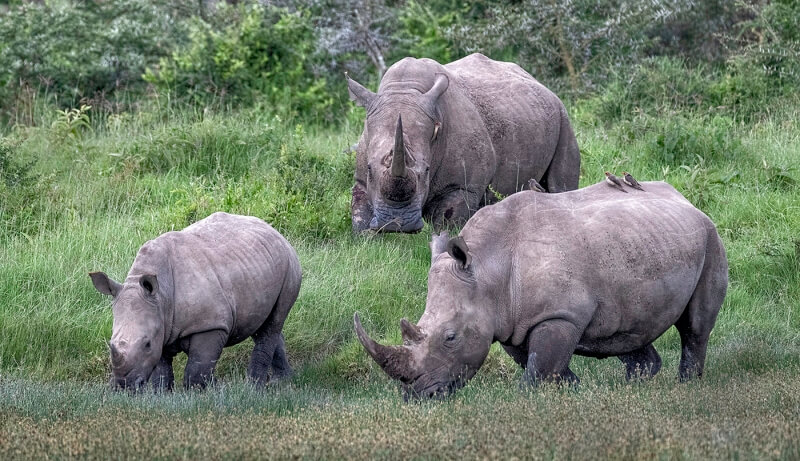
x=522, y=117
x=623, y=266
x=228, y=272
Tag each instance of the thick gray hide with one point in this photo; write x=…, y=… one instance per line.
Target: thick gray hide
x=469, y=129
x=593, y=272
x=217, y=282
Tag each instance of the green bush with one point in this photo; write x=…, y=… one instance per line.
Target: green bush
x=70, y=52
x=21, y=190
x=663, y=86
x=248, y=54
x=680, y=140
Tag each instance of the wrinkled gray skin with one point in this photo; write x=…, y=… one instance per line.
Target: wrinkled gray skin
x=436, y=138
x=212, y=285
x=592, y=272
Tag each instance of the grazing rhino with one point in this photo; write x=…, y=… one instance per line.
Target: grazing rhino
x=209, y=286
x=592, y=272
x=441, y=141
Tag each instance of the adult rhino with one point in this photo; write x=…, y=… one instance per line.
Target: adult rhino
x=211, y=285
x=440, y=141
x=592, y=272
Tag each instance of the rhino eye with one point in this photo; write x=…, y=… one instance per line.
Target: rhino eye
x=147, y=345
x=450, y=336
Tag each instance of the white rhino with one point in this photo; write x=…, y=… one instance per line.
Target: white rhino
x=440, y=141
x=592, y=272
x=214, y=284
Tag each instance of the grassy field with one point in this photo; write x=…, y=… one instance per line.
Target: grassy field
x=100, y=190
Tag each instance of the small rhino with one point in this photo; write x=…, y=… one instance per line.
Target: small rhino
x=209, y=286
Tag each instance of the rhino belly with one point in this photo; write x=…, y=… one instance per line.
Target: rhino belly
x=636, y=315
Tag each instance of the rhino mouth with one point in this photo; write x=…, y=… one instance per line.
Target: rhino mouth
x=434, y=391
x=133, y=381
x=387, y=218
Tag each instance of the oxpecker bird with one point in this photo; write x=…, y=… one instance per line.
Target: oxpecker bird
x=535, y=186
x=615, y=182
x=629, y=180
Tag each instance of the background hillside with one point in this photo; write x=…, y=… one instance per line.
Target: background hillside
x=122, y=120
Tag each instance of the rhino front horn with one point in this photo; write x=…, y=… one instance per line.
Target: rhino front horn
x=116, y=355
x=399, y=151
x=394, y=360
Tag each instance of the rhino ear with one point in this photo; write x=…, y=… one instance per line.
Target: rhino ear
x=362, y=96
x=149, y=283
x=458, y=250
x=104, y=284
x=438, y=244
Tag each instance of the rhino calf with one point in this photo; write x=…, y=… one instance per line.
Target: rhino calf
x=590, y=272
x=211, y=285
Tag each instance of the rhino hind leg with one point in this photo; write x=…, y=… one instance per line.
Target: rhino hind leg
x=697, y=320
x=550, y=348
x=262, y=357
x=203, y=352
x=563, y=172
x=280, y=364
x=269, y=351
x=642, y=363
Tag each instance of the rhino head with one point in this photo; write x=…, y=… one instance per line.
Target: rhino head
x=137, y=334
x=453, y=337
x=399, y=133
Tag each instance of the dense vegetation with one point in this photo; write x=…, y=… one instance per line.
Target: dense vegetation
x=123, y=120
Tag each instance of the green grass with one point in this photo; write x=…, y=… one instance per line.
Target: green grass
x=105, y=192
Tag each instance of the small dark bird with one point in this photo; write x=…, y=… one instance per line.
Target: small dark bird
x=629, y=180
x=615, y=182
x=535, y=186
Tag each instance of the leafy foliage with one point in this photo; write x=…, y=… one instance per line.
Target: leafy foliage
x=20, y=192
x=245, y=54
x=73, y=51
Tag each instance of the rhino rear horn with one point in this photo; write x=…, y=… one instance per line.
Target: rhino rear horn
x=438, y=244
x=362, y=96
x=399, y=151
x=394, y=360
x=410, y=332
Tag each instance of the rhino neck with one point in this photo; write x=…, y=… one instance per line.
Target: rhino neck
x=155, y=257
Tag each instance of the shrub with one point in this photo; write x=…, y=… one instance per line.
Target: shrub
x=680, y=140
x=71, y=51
x=245, y=54
x=21, y=191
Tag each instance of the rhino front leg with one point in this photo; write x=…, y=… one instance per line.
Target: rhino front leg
x=642, y=363
x=550, y=348
x=204, y=351
x=360, y=209
x=163, y=379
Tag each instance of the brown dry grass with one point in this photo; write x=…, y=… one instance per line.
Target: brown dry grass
x=743, y=417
